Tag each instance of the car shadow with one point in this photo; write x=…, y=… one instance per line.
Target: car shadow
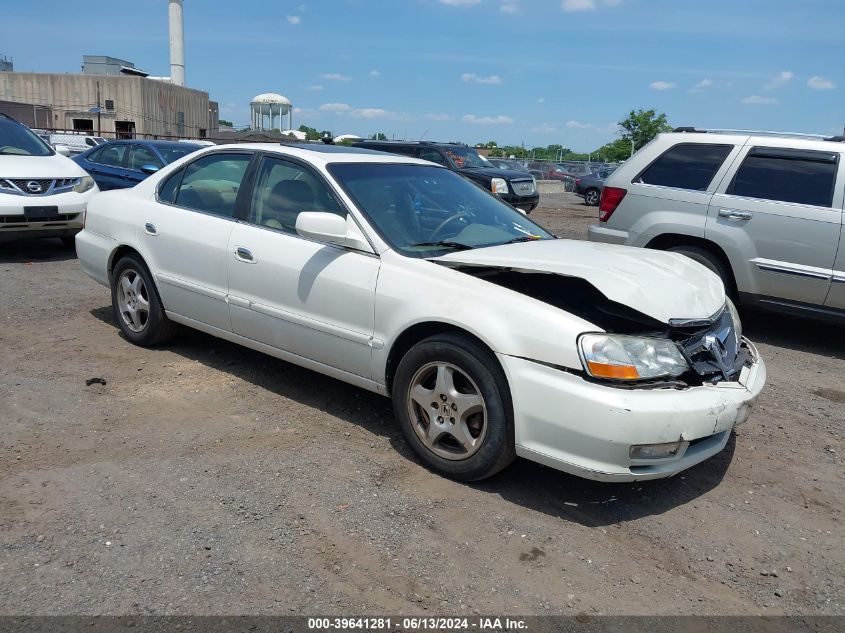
x=524, y=483
x=793, y=332
x=40, y=250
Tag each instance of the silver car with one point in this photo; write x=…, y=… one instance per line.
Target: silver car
x=762, y=210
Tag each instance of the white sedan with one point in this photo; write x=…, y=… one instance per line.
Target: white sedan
x=492, y=337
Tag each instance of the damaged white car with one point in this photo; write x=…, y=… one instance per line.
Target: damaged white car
x=492, y=337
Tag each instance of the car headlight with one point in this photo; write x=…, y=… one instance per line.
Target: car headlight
x=499, y=185
x=621, y=357
x=735, y=318
x=84, y=184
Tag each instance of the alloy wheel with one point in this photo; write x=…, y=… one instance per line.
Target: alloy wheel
x=133, y=300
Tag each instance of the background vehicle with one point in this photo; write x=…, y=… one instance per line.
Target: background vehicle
x=76, y=143
x=506, y=163
x=513, y=186
x=42, y=194
x=762, y=210
x=589, y=187
x=121, y=164
x=403, y=278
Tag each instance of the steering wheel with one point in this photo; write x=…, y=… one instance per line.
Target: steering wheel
x=436, y=232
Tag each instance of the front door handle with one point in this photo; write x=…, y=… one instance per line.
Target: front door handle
x=244, y=255
x=733, y=214
x=150, y=229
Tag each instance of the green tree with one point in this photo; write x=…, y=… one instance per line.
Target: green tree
x=379, y=136
x=225, y=122
x=642, y=126
x=311, y=133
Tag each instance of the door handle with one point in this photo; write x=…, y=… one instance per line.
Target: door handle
x=150, y=229
x=244, y=255
x=733, y=214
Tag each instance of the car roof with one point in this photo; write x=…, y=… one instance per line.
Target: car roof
x=322, y=154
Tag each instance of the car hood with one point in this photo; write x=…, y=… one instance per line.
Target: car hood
x=495, y=172
x=56, y=166
x=661, y=285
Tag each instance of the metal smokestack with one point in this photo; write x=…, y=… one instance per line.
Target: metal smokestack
x=177, y=43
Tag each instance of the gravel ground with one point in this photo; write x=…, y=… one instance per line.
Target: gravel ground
x=204, y=478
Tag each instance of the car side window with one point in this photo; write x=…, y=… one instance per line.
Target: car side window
x=784, y=175
x=210, y=184
x=111, y=155
x=168, y=189
x=686, y=166
x=433, y=155
x=141, y=156
x=283, y=190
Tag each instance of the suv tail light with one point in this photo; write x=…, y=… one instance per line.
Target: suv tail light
x=610, y=199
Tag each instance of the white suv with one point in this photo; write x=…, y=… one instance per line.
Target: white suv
x=763, y=210
x=42, y=194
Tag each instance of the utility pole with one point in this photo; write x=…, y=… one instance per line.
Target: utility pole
x=632, y=146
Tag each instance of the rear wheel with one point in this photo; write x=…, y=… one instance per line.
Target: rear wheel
x=710, y=261
x=136, y=304
x=453, y=405
x=591, y=197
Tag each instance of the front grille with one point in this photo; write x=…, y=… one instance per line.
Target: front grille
x=713, y=350
x=523, y=187
x=35, y=186
x=19, y=220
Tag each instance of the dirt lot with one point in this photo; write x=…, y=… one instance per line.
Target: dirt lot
x=204, y=478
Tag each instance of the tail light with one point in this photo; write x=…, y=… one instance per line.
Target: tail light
x=577, y=181
x=610, y=199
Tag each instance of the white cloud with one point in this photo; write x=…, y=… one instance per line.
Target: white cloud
x=780, y=80
x=661, y=85
x=336, y=77
x=545, y=128
x=294, y=19
x=459, y=3
x=702, y=85
x=371, y=113
x=487, y=120
x=587, y=5
x=758, y=100
x=335, y=107
x=577, y=125
x=820, y=83
x=375, y=73
x=510, y=7
x=473, y=78
x=314, y=88
x=541, y=100
x=438, y=116
x=303, y=110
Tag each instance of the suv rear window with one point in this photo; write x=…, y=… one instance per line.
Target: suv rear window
x=686, y=166
x=800, y=176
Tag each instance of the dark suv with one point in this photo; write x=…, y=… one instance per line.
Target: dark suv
x=514, y=187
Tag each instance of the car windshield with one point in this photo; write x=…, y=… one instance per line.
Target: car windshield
x=466, y=158
x=19, y=140
x=175, y=153
x=425, y=211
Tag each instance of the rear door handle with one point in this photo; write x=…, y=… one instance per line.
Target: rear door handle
x=150, y=229
x=244, y=255
x=733, y=214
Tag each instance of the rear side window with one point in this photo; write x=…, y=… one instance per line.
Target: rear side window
x=800, y=176
x=686, y=166
x=167, y=191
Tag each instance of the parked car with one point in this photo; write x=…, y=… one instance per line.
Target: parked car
x=76, y=143
x=492, y=337
x=507, y=163
x=548, y=171
x=513, y=186
x=589, y=187
x=763, y=211
x=121, y=164
x=42, y=194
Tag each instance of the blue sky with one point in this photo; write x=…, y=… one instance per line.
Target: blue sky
x=515, y=71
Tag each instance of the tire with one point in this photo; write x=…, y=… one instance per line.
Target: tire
x=592, y=197
x=477, y=396
x=134, y=293
x=710, y=261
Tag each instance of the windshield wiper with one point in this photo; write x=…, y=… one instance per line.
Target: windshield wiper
x=524, y=238
x=455, y=246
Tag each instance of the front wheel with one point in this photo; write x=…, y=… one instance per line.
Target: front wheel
x=136, y=304
x=453, y=404
x=591, y=197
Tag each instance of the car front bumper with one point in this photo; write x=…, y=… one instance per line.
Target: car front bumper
x=587, y=429
x=601, y=233
x=526, y=203
x=69, y=219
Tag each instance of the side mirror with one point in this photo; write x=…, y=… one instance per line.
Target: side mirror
x=332, y=228
x=149, y=169
x=64, y=150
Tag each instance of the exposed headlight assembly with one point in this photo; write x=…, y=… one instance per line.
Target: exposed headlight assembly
x=499, y=185
x=622, y=357
x=84, y=184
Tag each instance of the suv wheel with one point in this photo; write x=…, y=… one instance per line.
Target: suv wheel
x=453, y=405
x=711, y=261
x=591, y=197
x=136, y=304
